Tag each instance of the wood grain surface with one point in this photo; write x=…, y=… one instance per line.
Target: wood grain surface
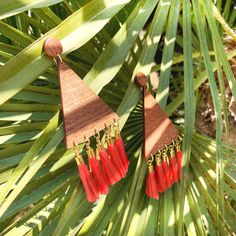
x=83, y=110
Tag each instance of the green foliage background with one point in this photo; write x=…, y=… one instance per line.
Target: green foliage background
x=106, y=42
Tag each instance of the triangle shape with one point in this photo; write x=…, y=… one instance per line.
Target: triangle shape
x=158, y=128
x=83, y=110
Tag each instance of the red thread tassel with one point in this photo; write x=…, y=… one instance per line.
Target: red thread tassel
x=90, y=187
x=112, y=175
x=166, y=170
x=173, y=166
x=113, y=152
x=174, y=169
x=98, y=175
x=121, y=150
x=179, y=162
x=151, y=185
x=96, y=170
x=91, y=190
x=161, y=185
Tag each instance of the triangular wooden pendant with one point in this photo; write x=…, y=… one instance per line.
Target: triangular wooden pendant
x=158, y=128
x=83, y=110
x=161, y=145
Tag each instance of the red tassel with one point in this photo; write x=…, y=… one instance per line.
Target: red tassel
x=121, y=150
x=96, y=169
x=161, y=185
x=174, y=169
x=167, y=174
x=179, y=163
x=112, y=175
x=98, y=175
x=166, y=169
x=90, y=188
x=173, y=166
x=151, y=185
x=113, y=152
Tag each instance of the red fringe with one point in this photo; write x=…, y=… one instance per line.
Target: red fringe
x=91, y=190
x=151, y=185
x=167, y=174
x=116, y=159
x=179, y=163
x=112, y=175
x=174, y=169
x=161, y=185
x=121, y=150
x=98, y=175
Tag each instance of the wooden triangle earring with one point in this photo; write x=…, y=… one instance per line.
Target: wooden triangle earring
x=85, y=115
x=161, y=144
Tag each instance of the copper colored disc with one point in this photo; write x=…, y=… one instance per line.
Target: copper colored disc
x=141, y=80
x=52, y=47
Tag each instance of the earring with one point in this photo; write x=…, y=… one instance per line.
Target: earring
x=161, y=138
x=85, y=115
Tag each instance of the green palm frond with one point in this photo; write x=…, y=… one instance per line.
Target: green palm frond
x=107, y=42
